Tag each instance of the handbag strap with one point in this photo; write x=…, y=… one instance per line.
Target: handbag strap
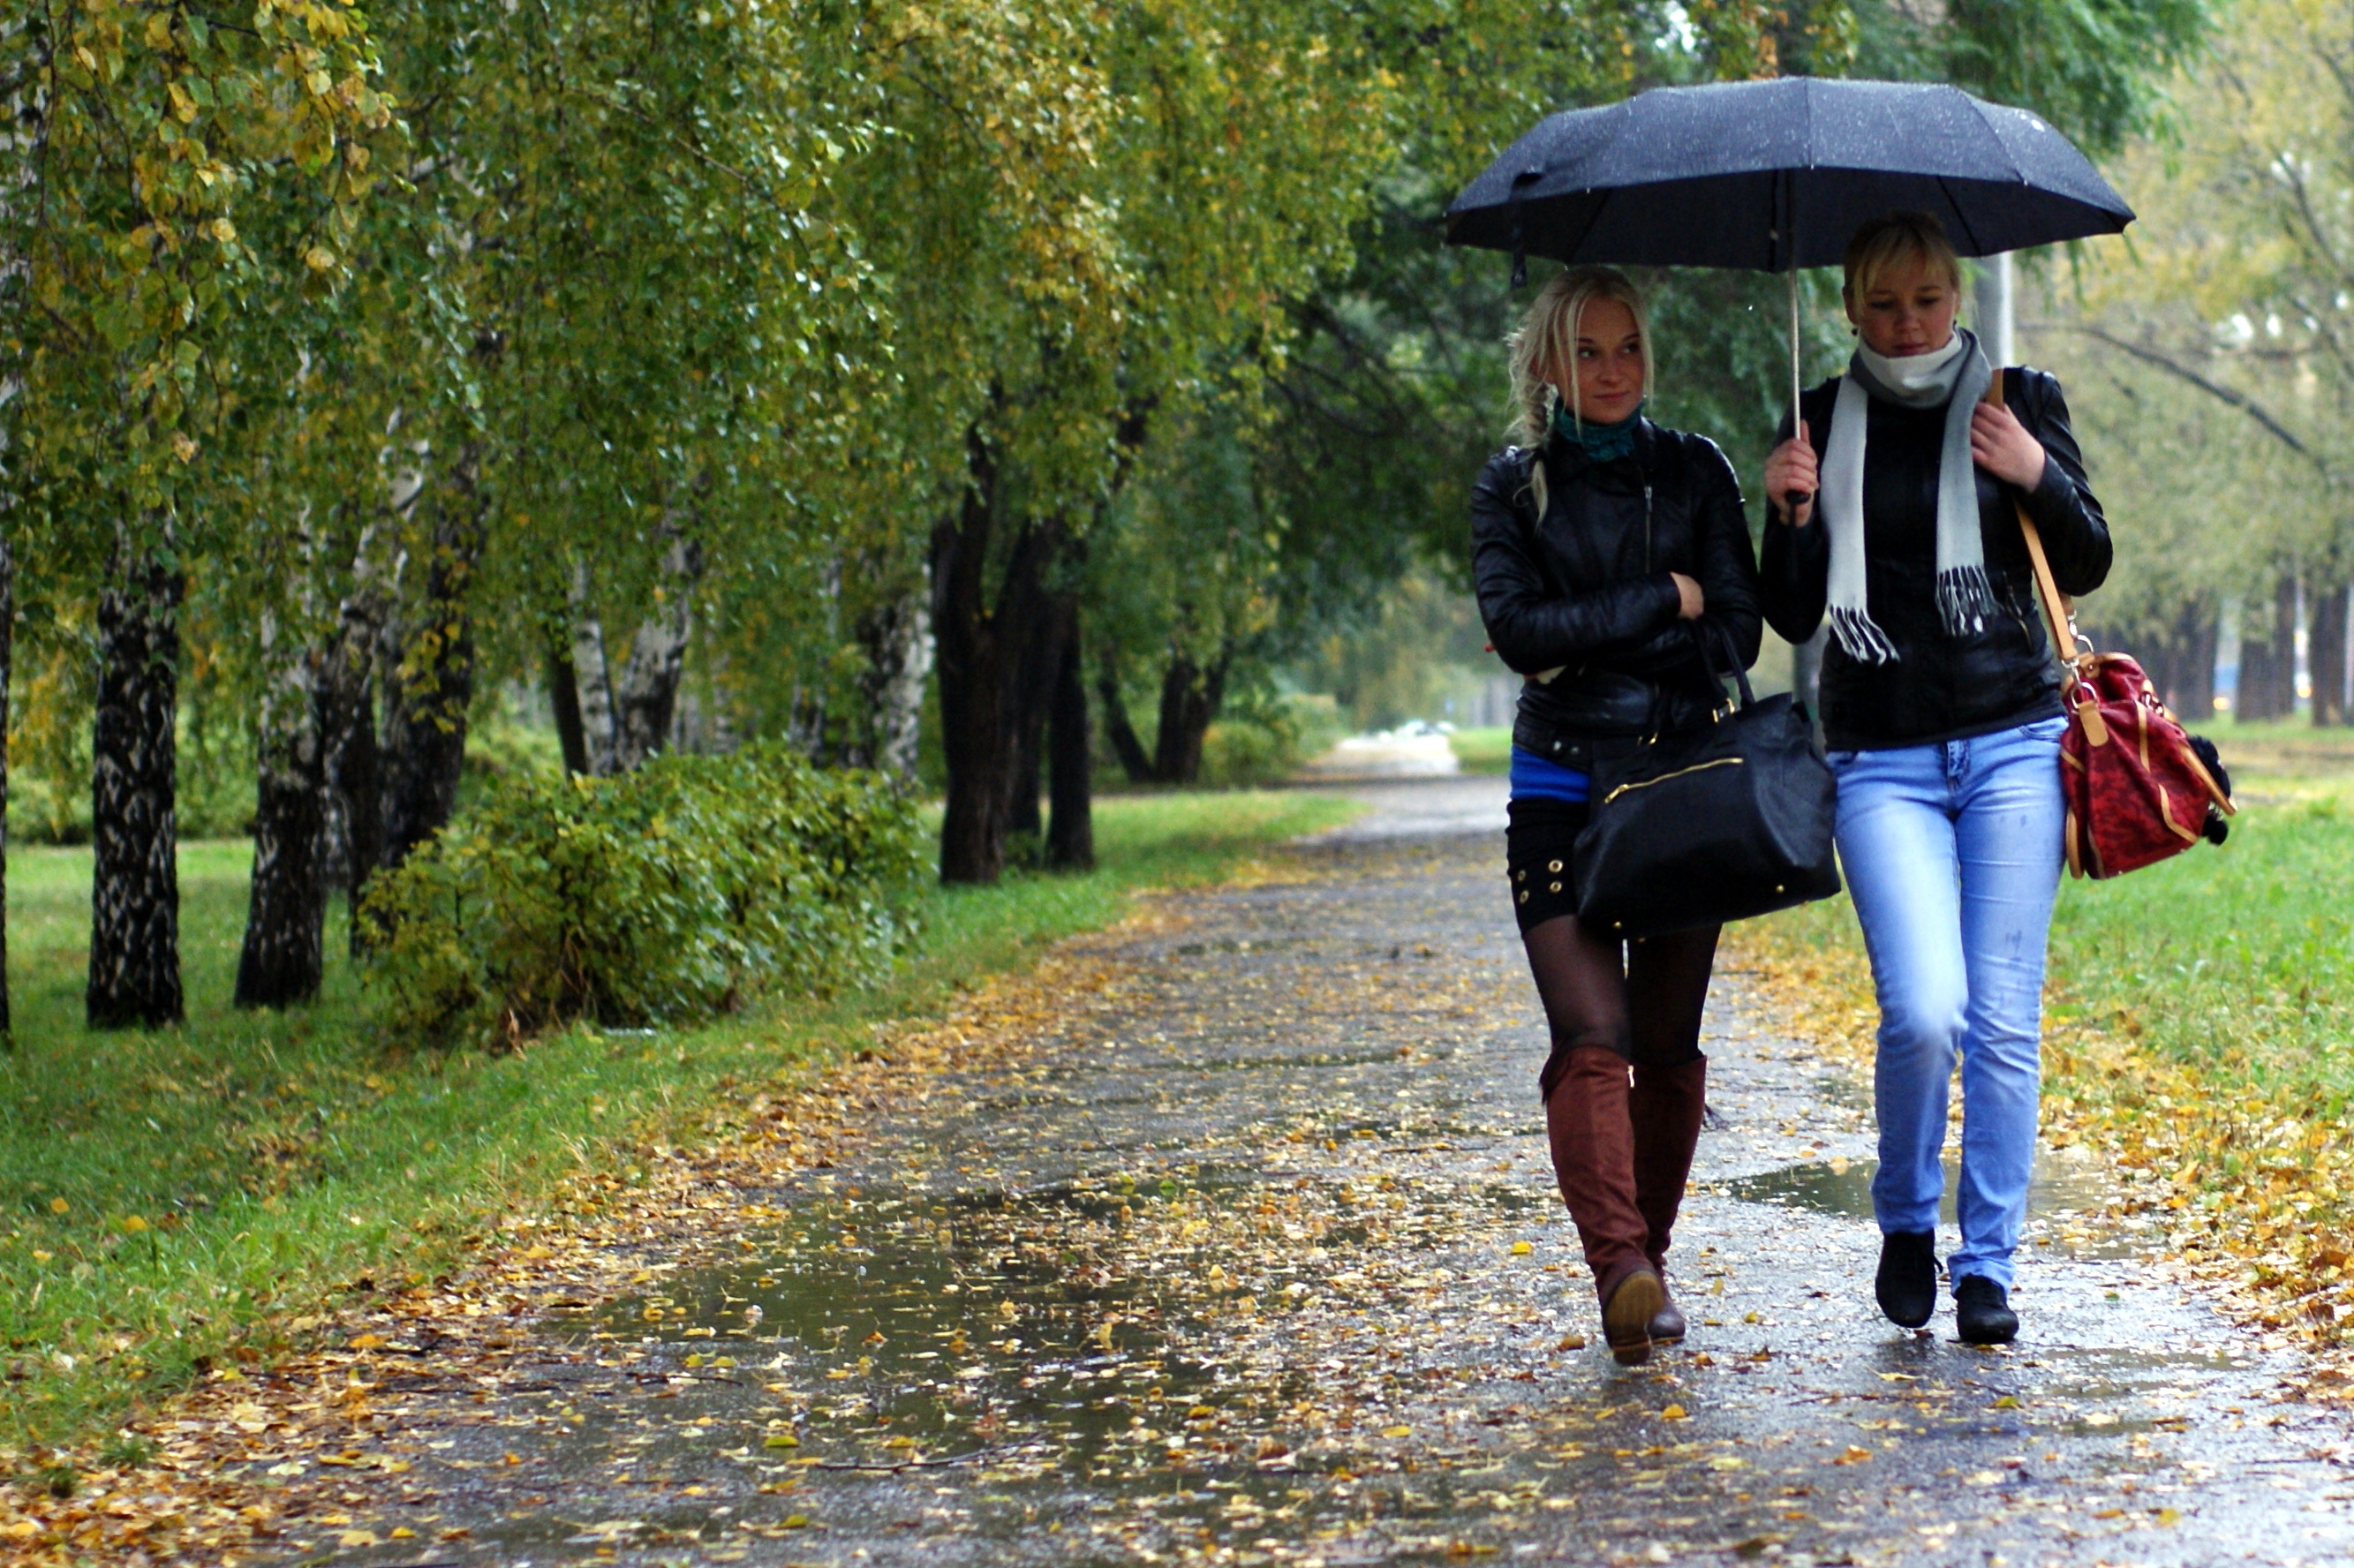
x=2059, y=610
x=1704, y=634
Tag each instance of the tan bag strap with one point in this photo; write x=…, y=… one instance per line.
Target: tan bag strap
x=2059, y=610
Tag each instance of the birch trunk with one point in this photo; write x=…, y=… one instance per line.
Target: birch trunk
x=427, y=696
x=592, y=681
x=25, y=136
x=645, y=698
x=897, y=636
x=134, y=942
x=352, y=807
x=284, y=956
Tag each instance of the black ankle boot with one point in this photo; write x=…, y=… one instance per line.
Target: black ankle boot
x=1982, y=1311
x=1907, y=1283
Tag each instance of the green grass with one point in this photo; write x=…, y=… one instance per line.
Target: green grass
x=1483, y=750
x=165, y=1196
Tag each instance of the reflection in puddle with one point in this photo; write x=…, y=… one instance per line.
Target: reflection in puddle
x=2073, y=1206
x=1038, y=1330
x=1828, y=1187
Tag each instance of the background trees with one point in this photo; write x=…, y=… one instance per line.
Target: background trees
x=2214, y=359
x=1042, y=380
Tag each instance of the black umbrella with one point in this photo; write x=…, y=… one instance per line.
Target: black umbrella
x=1775, y=176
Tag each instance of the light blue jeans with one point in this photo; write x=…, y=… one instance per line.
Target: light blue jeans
x=1952, y=853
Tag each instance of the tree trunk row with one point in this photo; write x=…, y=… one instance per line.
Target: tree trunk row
x=2326, y=655
x=1191, y=694
x=609, y=725
x=361, y=744
x=1012, y=692
x=2181, y=665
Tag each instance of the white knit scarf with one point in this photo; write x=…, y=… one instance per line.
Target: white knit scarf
x=1957, y=377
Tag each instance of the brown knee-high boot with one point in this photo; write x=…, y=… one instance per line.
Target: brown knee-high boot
x=1665, y=1106
x=1588, y=1123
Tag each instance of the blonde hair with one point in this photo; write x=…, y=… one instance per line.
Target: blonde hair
x=1896, y=237
x=1547, y=340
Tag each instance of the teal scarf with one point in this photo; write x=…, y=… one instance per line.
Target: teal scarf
x=1602, y=443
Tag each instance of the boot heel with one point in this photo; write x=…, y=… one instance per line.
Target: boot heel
x=1627, y=1316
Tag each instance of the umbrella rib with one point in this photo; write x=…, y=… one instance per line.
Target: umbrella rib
x=1961, y=213
x=1570, y=250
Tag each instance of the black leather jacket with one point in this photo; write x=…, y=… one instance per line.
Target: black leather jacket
x=1585, y=588
x=1939, y=687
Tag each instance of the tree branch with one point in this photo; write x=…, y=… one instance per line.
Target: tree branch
x=2172, y=366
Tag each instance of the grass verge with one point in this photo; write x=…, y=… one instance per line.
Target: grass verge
x=2199, y=1033
x=173, y=1197
x=1488, y=750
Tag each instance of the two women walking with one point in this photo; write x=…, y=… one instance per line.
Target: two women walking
x=1613, y=567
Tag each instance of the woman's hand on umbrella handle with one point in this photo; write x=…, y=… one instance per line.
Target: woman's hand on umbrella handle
x=2002, y=447
x=1693, y=602
x=1791, y=478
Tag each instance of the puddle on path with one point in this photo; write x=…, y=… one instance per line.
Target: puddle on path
x=892, y=1326
x=2068, y=1209
x=1082, y=1338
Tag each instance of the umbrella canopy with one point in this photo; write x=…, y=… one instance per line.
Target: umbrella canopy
x=1769, y=175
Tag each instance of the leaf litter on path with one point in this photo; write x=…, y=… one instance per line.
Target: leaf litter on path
x=1227, y=1237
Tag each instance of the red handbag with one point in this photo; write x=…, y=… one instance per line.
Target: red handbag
x=2137, y=792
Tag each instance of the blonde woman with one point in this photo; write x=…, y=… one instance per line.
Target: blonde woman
x=1894, y=517
x=1607, y=553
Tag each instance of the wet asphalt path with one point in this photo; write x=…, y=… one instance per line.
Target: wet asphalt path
x=1255, y=1259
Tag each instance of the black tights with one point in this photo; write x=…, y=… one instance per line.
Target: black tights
x=1642, y=1000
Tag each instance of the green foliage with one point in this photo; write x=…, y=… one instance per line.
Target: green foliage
x=1263, y=739
x=664, y=895
x=2096, y=68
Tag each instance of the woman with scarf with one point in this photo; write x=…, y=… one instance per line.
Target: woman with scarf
x=1894, y=510
x=1607, y=553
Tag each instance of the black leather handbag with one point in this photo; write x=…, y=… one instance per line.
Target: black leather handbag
x=1715, y=823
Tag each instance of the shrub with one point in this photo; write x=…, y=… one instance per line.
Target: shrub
x=669, y=895
x=1265, y=741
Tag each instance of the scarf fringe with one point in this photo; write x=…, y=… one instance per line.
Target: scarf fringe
x=1965, y=600
x=1860, y=637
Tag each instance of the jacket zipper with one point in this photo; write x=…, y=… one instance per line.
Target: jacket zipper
x=1646, y=526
